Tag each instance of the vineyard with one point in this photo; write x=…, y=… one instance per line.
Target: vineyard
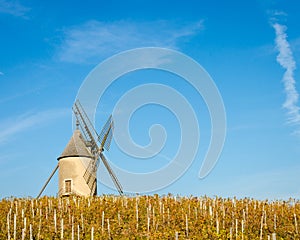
x=148, y=217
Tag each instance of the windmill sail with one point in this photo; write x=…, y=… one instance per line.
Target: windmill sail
x=112, y=174
x=90, y=175
x=104, y=139
x=105, y=136
x=89, y=132
x=87, y=127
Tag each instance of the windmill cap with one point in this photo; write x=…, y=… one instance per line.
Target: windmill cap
x=76, y=147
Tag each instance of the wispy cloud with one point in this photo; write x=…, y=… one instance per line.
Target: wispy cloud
x=18, y=95
x=10, y=128
x=286, y=60
x=94, y=40
x=13, y=8
x=1, y=73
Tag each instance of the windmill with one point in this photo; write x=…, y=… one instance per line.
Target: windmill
x=79, y=162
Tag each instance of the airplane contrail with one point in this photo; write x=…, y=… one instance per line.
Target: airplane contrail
x=286, y=60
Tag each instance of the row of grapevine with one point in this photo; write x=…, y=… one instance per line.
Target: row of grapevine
x=148, y=217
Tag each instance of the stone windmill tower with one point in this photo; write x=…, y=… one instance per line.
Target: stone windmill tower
x=72, y=166
x=80, y=159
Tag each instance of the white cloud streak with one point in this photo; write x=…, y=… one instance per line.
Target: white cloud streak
x=93, y=40
x=18, y=95
x=286, y=60
x=11, y=128
x=13, y=8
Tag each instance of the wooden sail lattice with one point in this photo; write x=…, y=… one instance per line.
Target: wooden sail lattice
x=104, y=139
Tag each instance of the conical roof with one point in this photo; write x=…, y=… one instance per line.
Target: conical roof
x=76, y=147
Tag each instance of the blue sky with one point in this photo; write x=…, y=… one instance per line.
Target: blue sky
x=251, y=49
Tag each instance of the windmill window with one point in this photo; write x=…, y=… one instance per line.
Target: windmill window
x=68, y=186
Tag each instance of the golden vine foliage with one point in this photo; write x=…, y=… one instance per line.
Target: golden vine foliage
x=148, y=217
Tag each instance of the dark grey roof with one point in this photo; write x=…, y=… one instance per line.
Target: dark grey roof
x=76, y=147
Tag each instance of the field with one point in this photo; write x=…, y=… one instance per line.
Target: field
x=148, y=217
